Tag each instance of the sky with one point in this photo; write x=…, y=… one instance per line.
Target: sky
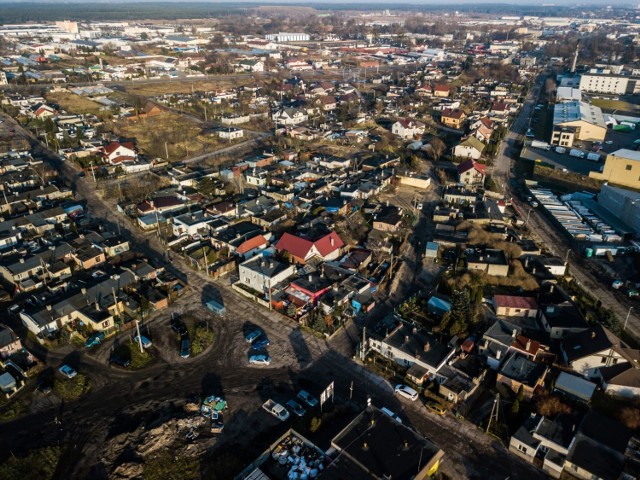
x=360, y=2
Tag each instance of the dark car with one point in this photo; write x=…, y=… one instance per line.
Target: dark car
x=178, y=327
x=119, y=361
x=185, y=348
x=260, y=342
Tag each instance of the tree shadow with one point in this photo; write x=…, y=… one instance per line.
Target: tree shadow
x=300, y=348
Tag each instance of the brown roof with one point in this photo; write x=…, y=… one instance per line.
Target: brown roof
x=514, y=301
x=448, y=113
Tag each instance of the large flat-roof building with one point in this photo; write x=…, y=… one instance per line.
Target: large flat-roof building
x=283, y=37
x=577, y=121
x=609, y=84
x=621, y=167
x=624, y=204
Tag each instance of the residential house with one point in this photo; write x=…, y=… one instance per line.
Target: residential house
x=518, y=371
x=470, y=148
x=441, y=91
x=492, y=261
x=453, y=118
x=408, y=128
x=588, y=351
x=290, y=116
x=9, y=342
x=561, y=320
x=472, y=173
x=252, y=246
x=417, y=349
x=388, y=219
x=545, y=442
x=463, y=377
x=623, y=379
x=515, y=306
x=116, y=153
x=496, y=342
x=301, y=250
x=598, y=449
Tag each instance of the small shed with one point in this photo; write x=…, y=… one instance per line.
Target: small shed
x=431, y=251
x=7, y=383
x=575, y=387
x=438, y=304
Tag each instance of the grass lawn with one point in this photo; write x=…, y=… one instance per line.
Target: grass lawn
x=184, y=138
x=201, y=336
x=72, y=388
x=73, y=103
x=38, y=464
x=614, y=104
x=131, y=351
x=11, y=408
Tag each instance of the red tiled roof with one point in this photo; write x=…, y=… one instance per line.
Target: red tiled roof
x=296, y=246
x=441, y=88
x=448, y=113
x=514, y=301
x=409, y=123
x=113, y=146
x=250, y=244
x=122, y=159
x=299, y=247
x=469, y=164
x=329, y=244
x=520, y=343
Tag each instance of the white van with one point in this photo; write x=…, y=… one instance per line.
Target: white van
x=406, y=392
x=386, y=411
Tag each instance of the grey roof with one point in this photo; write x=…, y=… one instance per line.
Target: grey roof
x=559, y=430
x=7, y=336
x=575, y=386
x=383, y=447
x=419, y=344
x=584, y=344
x=518, y=367
x=265, y=266
x=524, y=433
x=502, y=332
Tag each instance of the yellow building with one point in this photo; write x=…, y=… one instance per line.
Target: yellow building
x=621, y=167
x=577, y=121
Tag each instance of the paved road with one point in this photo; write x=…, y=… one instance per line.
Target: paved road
x=87, y=423
x=557, y=242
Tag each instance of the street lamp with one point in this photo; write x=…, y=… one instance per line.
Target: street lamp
x=627, y=319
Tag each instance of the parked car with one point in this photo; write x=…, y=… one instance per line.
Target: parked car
x=119, y=361
x=95, y=339
x=260, y=360
x=185, y=348
x=44, y=387
x=252, y=335
x=260, y=342
x=296, y=408
x=388, y=412
x=67, y=371
x=435, y=407
x=307, y=398
x=178, y=326
x=146, y=343
x=406, y=392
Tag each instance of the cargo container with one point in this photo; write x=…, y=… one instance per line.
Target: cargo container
x=216, y=307
x=539, y=144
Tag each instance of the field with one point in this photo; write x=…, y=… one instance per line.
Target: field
x=615, y=105
x=73, y=103
x=183, y=137
x=197, y=85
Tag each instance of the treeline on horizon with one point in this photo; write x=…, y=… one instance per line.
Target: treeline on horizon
x=42, y=12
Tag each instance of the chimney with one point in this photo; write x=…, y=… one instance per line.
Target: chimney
x=49, y=307
x=83, y=291
x=406, y=339
x=593, y=335
x=310, y=278
x=528, y=346
x=498, y=354
x=22, y=260
x=514, y=334
x=550, y=309
x=332, y=241
x=526, y=263
x=415, y=330
x=427, y=347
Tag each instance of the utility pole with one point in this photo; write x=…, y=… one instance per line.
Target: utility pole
x=206, y=262
x=364, y=340
x=494, y=412
x=351, y=390
x=139, y=337
x=627, y=319
x=166, y=151
x=93, y=173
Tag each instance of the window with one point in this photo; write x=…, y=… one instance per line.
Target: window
x=522, y=448
x=628, y=167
